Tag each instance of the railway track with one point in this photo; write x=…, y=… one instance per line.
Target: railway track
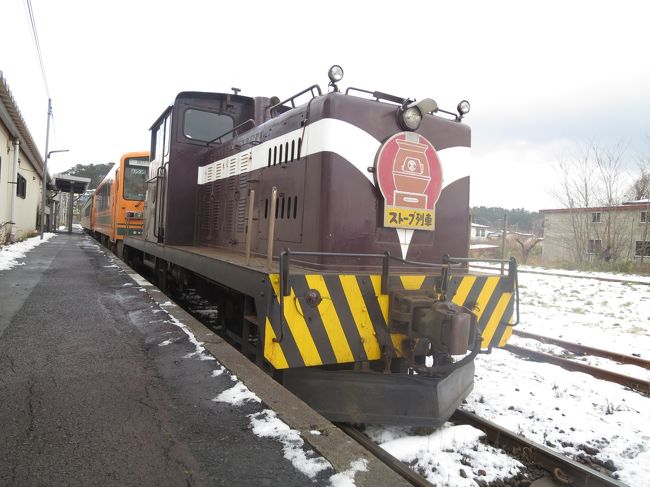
x=401, y=468
x=559, y=274
x=563, y=469
x=585, y=350
x=635, y=383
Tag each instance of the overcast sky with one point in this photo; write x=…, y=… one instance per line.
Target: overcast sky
x=541, y=76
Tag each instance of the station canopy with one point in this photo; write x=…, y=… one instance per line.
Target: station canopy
x=66, y=183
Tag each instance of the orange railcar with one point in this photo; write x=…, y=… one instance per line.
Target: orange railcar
x=118, y=202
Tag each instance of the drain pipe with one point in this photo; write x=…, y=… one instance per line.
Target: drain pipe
x=14, y=178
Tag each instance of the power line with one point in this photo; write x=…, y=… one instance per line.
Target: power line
x=30, y=13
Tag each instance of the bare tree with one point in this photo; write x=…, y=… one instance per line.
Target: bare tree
x=575, y=191
x=526, y=243
x=610, y=173
x=592, y=177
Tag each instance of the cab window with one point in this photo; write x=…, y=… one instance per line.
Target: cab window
x=206, y=126
x=135, y=178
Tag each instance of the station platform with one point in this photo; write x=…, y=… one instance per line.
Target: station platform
x=104, y=381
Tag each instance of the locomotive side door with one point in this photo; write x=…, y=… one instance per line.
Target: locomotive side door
x=156, y=201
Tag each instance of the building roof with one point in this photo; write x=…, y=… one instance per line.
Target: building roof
x=626, y=207
x=13, y=120
x=67, y=183
x=478, y=225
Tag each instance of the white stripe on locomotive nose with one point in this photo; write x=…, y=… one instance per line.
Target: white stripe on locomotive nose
x=456, y=163
x=328, y=135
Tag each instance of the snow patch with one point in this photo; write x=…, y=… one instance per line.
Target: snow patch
x=11, y=254
x=441, y=455
x=237, y=395
x=346, y=478
x=266, y=424
x=218, y=372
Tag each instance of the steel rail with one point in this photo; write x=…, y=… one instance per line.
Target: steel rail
x=640, y=385
x=399, y=467
x=555, y=274
x=584, y=349
x=564, y=469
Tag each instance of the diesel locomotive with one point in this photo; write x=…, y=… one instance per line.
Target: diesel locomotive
x=332, y=231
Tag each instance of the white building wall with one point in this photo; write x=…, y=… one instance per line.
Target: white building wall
x=560, y=243
x=26, y=209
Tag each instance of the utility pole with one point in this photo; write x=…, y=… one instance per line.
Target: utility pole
x=47, y=155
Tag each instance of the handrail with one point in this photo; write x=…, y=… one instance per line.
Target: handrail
x=378, y=95
x=292, y=99
x=249, y=227
x=271, y=235
x=249, y=121
x=386, y=258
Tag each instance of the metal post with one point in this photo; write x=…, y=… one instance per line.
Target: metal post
x=70, y=208
x=503, y=240
x=14, y=179
x=271, y=236
x=249, y=228
x=47, y=143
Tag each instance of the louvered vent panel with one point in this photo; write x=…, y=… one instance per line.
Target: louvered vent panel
x=229, y=217
x=244, y=167
x=204, y=213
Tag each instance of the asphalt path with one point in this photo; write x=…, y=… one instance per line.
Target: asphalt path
x=88, y=396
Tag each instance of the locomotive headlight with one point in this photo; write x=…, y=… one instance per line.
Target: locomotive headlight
x=410, y=118
x=335, y=73
x=463, y=107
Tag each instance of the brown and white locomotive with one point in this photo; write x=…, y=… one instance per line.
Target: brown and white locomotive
x=324, y=232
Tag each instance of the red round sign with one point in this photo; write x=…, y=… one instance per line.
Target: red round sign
x=409, y=176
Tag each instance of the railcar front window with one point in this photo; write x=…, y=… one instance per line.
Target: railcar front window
x=206, y=126
x=135, y=178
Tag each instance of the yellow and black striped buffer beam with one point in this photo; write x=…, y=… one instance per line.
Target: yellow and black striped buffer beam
x=491, y=299
x=342, y=328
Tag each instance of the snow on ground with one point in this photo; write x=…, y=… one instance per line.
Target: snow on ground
x=450, y=456
x=572, y=412
x=266, y=424
x=10, y=255
x=346, y=478
x=609, y=315
x=565, y=272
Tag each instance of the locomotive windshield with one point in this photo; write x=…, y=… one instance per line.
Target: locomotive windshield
x=135, y=177
x=206, y=126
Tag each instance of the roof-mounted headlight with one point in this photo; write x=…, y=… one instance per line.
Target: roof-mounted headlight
x=335, y=73
x=463, y=108
x=410, y=116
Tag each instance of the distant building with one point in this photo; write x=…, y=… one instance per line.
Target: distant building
x=21, y=167
x=478, y=232
x=479, y=246
x=584, y=234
